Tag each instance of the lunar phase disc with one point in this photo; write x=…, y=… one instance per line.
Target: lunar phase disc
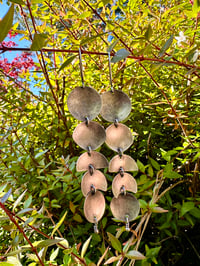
x=84, y=102
x=94, y=206
x=127, y=181
x=115, y=105
x=90, y=135
x=94, y=158
x=118, y=137
x=97, y=179
x=125, y=205
x=125, y=161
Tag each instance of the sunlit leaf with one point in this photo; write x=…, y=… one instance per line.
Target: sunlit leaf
x=67, y=62
x=19, y=199
x=112, y=259
x=59, y=223
x=39, y=41
x=85, y=246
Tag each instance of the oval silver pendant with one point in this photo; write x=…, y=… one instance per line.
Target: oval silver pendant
x=116, y=105
x=94, y=206
x=118, y=137
x=84, y=102
x=97, y=179
x=125, y=206
x=90, y=135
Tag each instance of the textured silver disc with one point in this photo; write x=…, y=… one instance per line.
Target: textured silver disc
x=90, y=135
x=118, y=137
x=84, y=102
x=127, y=181
x=97, y=179
x=94, y=158
x=125, y=206
x=94, y=206
x=116, y=105
x=125, y=161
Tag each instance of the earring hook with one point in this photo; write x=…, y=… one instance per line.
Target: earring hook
x=110, y=72
x=81, y=67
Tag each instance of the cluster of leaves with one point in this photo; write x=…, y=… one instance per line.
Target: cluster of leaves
x=155, y=60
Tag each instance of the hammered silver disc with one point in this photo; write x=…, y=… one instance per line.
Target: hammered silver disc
x=125, y=161
x=118, y=137
x=97, y=179
x=90, y=135
x=125, y=206
x=127, y=181
x=94, y=206
x=116, y=105
x=94, y=158
x=84, y=102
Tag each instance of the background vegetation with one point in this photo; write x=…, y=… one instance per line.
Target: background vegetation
x=155, y=53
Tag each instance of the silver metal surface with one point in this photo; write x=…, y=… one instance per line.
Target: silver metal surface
x=127, y=181
x=90, y=135
x=125, y=206
x=84, y=102
x=125, y=161
x=97, y=179
x=116, y=105
x=94, y=206
x=118, y=137
x=94, y=158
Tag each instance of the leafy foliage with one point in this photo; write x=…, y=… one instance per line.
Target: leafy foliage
x=158, y=67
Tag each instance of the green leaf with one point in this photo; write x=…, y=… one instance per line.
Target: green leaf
x=111, y=47
x=85, y=246
x=120, y=54
x=166, y=45
x=148, y=32
x=90, y=39
x=67, y=62
x=17, y=202
x=16, y=252
x=6, y=196
x=196, y=7
x=186, y=207
x=141, y=166
x=39, y=41
x=59, y=224
x=114, y=242
x=154, y=164
x=27, y=202
x=48, y=242
x=135, y=255
x=6, y=23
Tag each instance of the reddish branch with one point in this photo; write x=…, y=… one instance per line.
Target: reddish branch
x=139, y=58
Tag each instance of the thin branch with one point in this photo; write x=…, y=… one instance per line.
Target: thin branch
x=21, y=231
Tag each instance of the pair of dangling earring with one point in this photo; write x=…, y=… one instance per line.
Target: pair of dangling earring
x=85, y=104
